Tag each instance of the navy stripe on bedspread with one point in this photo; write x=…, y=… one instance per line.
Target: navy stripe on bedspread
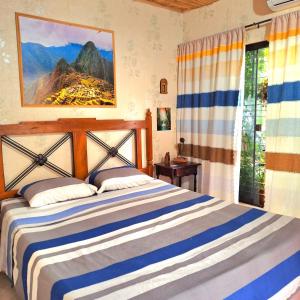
x=72, y=211
x=271, y=282
x=98, y=231
x=61, y=287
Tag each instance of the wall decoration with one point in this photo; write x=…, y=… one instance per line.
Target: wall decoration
x=65, y=64
x=164, y=86
x=163, y=119
x=5, y=57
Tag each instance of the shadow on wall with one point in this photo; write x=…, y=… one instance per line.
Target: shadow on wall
x=261, y=8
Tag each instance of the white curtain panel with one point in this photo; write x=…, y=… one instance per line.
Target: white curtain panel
x=208, y=111
x=283, y=117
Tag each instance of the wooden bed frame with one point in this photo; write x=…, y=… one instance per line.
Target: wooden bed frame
x=78, y=128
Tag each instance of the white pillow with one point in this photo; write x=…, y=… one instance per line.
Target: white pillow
x=54, y=190
x=118, y=178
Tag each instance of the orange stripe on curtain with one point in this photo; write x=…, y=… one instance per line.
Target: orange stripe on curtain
x=285, y=162
x=221, y=155
x=284, y=35
x=211, y=52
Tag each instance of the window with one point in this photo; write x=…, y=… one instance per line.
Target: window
x=252, y=169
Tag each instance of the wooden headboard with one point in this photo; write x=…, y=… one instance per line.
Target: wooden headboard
x=78, y=128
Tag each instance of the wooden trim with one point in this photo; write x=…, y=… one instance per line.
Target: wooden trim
x=80, y=158
x=63, y=22
x=2, y=180
x=149, y=146
x=20, y=63
x=178, y=5
x=138, y=148
x=78, y=128
x=19, y=48
x=66, y=125
x=9, y=194
x=145, y=170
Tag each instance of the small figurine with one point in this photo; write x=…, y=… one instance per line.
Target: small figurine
x=167, y=159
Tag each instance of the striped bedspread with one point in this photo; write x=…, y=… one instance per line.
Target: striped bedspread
x=155, y=241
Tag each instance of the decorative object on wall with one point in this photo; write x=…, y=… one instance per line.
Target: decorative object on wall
x=65, y=64
x=3, y=54
x=163, y=119
x=164, y=86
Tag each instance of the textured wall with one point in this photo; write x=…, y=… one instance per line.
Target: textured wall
x=228, y=14
x=146, y=39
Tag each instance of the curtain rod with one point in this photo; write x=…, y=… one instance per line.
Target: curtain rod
x=258, y=23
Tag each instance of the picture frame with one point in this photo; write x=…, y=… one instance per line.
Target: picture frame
x=163, y=86
x=163, y=118
x=63, y=64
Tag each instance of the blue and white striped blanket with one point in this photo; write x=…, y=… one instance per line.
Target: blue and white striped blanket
x=155, y=241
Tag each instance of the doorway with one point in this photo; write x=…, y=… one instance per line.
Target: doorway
x=252, y=168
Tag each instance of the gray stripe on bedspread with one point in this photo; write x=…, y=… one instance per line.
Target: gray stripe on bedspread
x=78, y=226
x=188, y=283
x=134, y=248
x=226, y=277
x=119, y=215
x=9, y=206
x=91, y=223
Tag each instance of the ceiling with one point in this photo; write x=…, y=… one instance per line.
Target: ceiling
x=179, y=5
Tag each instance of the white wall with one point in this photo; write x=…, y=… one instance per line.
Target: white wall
x=224, y=15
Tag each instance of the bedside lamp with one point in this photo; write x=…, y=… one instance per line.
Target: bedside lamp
x=180, y=159
x=181, y=145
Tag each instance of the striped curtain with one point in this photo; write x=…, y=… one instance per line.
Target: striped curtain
x=283, y=117
x=209, y=75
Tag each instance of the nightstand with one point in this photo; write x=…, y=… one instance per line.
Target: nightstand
x=178, y=171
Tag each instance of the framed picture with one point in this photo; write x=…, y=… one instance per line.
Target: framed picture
x=163, y=119
x=65, y=64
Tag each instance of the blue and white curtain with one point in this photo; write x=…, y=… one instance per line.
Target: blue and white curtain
x=209, y=77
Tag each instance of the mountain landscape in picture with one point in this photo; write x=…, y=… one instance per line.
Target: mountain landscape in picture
x=73, y=67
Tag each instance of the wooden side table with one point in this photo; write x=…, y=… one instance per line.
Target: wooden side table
x=178, y=171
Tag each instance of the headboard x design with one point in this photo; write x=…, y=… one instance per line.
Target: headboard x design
x=78, y=130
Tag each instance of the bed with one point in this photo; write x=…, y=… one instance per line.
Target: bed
x=153, y=241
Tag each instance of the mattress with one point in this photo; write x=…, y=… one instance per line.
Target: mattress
x=156, y=241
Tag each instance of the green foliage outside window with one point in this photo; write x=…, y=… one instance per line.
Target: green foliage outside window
x=252, y=169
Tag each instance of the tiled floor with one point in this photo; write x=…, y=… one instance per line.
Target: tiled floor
x=6, y=292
